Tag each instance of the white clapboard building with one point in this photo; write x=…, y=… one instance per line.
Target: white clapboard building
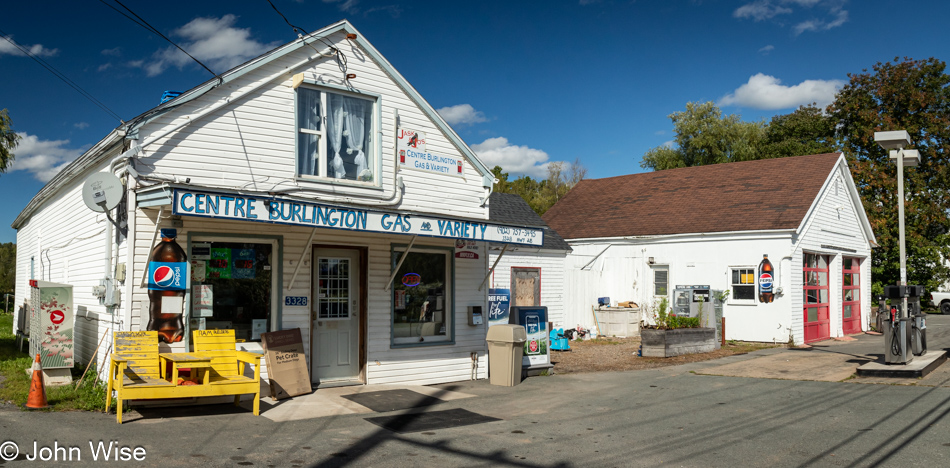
x=637, y=237
x=305, y=198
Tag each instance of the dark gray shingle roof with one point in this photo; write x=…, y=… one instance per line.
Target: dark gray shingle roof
x=507, y=208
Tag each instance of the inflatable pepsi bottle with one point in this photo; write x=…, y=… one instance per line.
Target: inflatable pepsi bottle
x=766, y=280
x=167, y=280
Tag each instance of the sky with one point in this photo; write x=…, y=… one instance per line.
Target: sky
x=524, y=83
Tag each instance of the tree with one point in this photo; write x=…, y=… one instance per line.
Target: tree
x=541, y=195
x=704, y=136
x=808, y=130
x=910, y=95
x=7, y=269
x=8, y=141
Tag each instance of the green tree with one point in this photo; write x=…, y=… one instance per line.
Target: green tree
x=910, y=95
x=808, y=130
x=704, y=136
x=8, y=140
x=541, y=195
x=7, y=270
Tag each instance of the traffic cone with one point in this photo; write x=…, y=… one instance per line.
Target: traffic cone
x=37, y=397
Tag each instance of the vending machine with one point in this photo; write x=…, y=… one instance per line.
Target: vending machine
x=537, y=353
x=51, y=329
x=699, y=300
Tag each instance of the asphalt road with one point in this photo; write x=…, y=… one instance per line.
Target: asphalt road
x=662, y=417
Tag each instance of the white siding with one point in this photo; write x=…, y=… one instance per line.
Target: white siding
x=622, y=273
x=249, y=144
x=67, y=242
x=834, y=223
x=553, y=293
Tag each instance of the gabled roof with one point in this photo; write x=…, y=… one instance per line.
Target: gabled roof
x=509, y=208
x=763, y=195
x=96, y=154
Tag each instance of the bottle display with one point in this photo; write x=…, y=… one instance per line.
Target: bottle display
x=167, y=280
x=766, y=280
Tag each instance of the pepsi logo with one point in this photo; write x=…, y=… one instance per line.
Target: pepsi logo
x=163, y=276
x=765, y=280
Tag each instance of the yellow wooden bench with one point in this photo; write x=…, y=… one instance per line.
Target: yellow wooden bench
x=136, y=369
x=228, y=364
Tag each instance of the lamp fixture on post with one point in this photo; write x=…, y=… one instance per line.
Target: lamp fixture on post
x=894, y=142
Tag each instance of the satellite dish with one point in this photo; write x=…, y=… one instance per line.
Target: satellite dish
x=103, y=191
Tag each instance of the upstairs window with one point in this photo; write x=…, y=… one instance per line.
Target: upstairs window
x=335, y=136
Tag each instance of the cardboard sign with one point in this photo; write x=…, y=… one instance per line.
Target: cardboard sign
x=286, y=364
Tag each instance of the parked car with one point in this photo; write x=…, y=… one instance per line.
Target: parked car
x=941, y=300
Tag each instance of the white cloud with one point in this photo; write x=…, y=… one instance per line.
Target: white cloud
x=513, y=159
x=668, y=143
x=214, y=41
x=6, y=47
x=461, y=114
x=81, y=125
x=104, y=67
x=348, y=6
x=43, y=158
x=760, y=10
x=766, y=92
x=822, y=25
x=113, y=52
x=765, y=50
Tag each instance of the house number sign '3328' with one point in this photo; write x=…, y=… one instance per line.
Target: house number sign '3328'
x=295, y=301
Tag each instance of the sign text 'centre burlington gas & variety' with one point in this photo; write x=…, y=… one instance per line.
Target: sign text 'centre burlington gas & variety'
x=275, y=210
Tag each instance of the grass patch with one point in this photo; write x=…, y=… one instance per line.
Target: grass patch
x=744, y=347
x=15, y=387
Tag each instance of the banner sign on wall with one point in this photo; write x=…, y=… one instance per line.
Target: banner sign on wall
x=297, y=213
x=467, y=248
x=499, y=304
x=411, y=147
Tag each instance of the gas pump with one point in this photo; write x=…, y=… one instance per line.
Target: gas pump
x=904, y=330
x=918, y=331
x=883, y=313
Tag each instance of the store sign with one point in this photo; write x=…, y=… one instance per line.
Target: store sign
x=499, y=303
x=411, y=147
x=297, y=213
x=467, y=248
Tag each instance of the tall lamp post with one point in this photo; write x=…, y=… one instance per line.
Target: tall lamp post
x=894, y=142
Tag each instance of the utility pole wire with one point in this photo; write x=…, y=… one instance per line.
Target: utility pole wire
x=62, y=76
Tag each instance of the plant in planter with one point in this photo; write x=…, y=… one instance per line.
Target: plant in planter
x=673, y=335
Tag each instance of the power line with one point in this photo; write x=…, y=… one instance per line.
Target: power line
x=340, y=58
x=61, y=76
x=141, y=22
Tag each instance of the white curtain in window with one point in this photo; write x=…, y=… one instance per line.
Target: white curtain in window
x=335, y=134
x=309, y=118
x=356, y=131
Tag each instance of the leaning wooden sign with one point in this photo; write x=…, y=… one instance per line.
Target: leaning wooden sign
x=286, y=364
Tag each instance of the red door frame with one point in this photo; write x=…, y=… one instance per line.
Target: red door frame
x=815, y=296
x=851, y=282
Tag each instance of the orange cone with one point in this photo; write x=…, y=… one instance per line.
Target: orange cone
x=37, y=397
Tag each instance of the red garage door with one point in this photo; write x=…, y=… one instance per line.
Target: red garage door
x=817, y=324
x=851, y=296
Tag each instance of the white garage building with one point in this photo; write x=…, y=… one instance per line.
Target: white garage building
x=637, y=237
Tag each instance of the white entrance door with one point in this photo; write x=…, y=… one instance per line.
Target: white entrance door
x=334, y=354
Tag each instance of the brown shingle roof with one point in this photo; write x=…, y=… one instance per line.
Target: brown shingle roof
x=742, y=196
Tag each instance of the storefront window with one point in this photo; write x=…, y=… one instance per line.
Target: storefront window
x=231, y=287
x=422, y=297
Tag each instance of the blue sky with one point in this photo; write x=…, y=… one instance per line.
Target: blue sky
x=524, y=83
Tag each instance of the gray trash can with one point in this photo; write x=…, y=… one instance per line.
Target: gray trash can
x=505, y=349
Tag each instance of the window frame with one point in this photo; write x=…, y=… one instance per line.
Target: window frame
x=732, y=293
x=450, y=308
x=376, y=146
x=653, y=270
x=277, y=273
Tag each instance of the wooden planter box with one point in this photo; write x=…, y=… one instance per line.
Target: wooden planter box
x=667, y=343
